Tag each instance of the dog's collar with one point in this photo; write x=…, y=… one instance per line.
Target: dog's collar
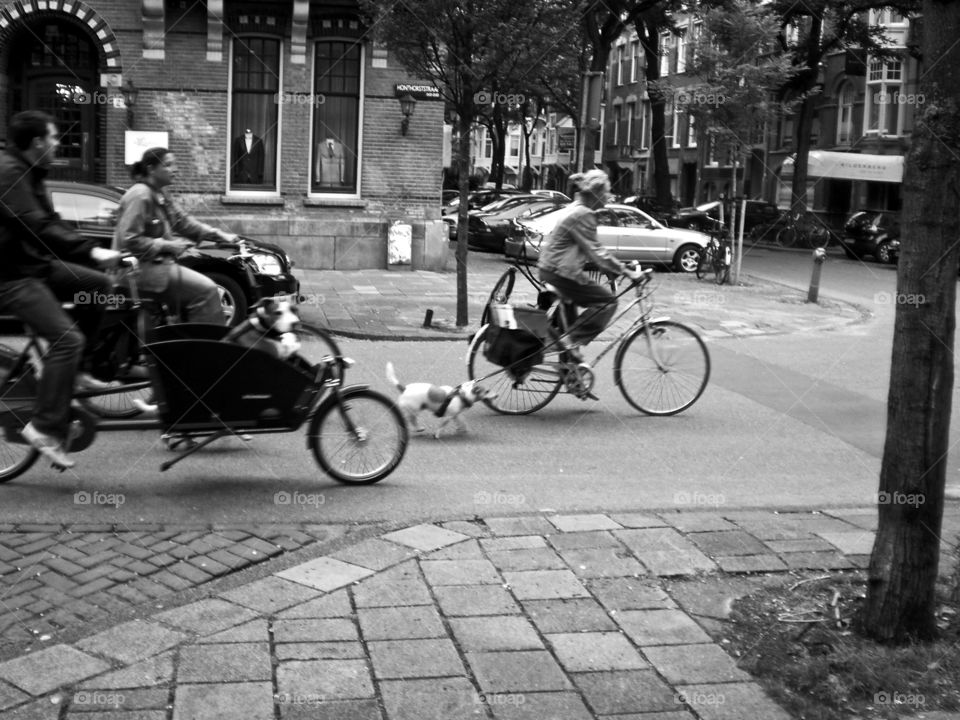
x=456, y=392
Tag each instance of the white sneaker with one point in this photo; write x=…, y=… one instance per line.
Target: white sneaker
x=48, y=446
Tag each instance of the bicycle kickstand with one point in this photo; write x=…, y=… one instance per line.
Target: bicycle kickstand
x=193, y=448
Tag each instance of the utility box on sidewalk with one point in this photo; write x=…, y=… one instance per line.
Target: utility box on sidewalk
x=399, y=243
x=432, y=252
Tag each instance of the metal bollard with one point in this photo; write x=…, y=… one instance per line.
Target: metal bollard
x=819, y=258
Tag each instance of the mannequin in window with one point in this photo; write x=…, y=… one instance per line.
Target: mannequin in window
x=329, y=163
x=248, y=159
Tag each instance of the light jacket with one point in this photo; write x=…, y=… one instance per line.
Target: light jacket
x=149, y=220
x=573, y=243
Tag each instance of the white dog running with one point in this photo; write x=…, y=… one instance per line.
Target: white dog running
x=443, y=401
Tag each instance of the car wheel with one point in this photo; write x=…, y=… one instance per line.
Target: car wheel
x=687, y=258
x=885, y=253
x=232, y=298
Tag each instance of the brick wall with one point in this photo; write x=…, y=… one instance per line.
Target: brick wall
x=188, y=97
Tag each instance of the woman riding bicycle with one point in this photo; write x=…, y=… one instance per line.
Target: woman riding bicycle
x=148, y=220
x=569, y=248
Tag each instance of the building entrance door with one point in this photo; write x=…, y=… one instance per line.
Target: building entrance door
x=53, y=68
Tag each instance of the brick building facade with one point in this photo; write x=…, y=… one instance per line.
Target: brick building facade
x=284, y=115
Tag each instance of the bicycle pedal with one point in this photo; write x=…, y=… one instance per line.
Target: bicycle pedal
x=588, y=396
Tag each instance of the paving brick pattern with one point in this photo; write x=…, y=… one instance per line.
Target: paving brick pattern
x=58, y=576
x=458, y=626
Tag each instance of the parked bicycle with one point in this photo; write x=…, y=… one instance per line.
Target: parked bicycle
x=660, y=366
x=715, y=258
x=208, y=389
x=802, y=230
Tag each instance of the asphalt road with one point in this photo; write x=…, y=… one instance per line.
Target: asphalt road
x=786, y=421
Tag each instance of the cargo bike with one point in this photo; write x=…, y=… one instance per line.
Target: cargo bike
x=203, y=389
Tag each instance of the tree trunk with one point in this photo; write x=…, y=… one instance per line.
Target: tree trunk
x=804, y=117
x=463, y=157
x=648, y=29
x=903, y=565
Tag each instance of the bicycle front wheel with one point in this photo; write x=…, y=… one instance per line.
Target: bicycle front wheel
x=787, y=237
x=721, y=267
x=662, y=368
x=360, y=439
x=513, y=397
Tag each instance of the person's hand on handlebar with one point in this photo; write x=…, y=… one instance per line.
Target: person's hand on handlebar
x=633, y=271
x=227, y=238
x=104, y=257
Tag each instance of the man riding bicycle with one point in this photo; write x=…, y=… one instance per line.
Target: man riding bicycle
x=569, y=248
x=45, y=263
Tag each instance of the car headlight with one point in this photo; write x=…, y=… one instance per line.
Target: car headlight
x=267, y=264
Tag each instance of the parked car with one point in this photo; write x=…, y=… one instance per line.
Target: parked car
x=872, y=233
x=628, y=233
x=653, y=207
x=477, y=199
x=759, y=214
x=489, y=228
x=502, y=203
x=242, y=279
x=555, y=194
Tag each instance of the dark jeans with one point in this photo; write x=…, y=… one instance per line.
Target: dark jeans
x=599, y=303
x=37, y=303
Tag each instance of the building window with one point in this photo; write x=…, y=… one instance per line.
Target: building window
x=616, y=124
x=666, y=47
x=696, y=30
x=681, y=43
x=691, y=131
x=634, y=60
x=514, y=145
x=254, y=114
x=629, y=138
x=487, y=145
x=883, y=106
x=621, y=64
x=845, y=114
x=668, y=124
x=674, y=119
x=336, y=118
x=645, y=123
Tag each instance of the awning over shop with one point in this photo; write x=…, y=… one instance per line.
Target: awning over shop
x=850, y=166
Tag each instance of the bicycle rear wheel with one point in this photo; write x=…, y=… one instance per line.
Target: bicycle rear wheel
x=787, y=237
x=705, y=265
x=662, y=368
x=16, y=456
x=359, y=440
x=513, y=397
x=721, y=266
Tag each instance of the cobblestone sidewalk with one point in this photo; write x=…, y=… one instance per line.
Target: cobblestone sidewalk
x=545, y=617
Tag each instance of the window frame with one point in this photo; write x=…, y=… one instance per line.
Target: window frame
x=361, y=105
x=884, y=78
x=252, y=192
x=845, y=87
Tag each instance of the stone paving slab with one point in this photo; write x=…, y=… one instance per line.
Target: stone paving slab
x=431, y=624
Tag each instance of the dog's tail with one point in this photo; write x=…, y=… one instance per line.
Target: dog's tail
x=392, y=378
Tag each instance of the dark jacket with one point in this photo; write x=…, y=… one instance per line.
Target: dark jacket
x=31, y=233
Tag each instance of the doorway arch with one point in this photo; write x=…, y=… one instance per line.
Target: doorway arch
x=53, y=61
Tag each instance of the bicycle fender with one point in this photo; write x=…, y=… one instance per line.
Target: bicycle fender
x=336, y=396
x=651, y=321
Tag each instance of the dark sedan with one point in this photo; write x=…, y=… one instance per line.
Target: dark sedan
x=243, y=277
x=490, y=228
x=872, y=233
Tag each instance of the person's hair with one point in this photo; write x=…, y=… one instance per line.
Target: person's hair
x=151, y=158
x=594, y=182
x=27, y=125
